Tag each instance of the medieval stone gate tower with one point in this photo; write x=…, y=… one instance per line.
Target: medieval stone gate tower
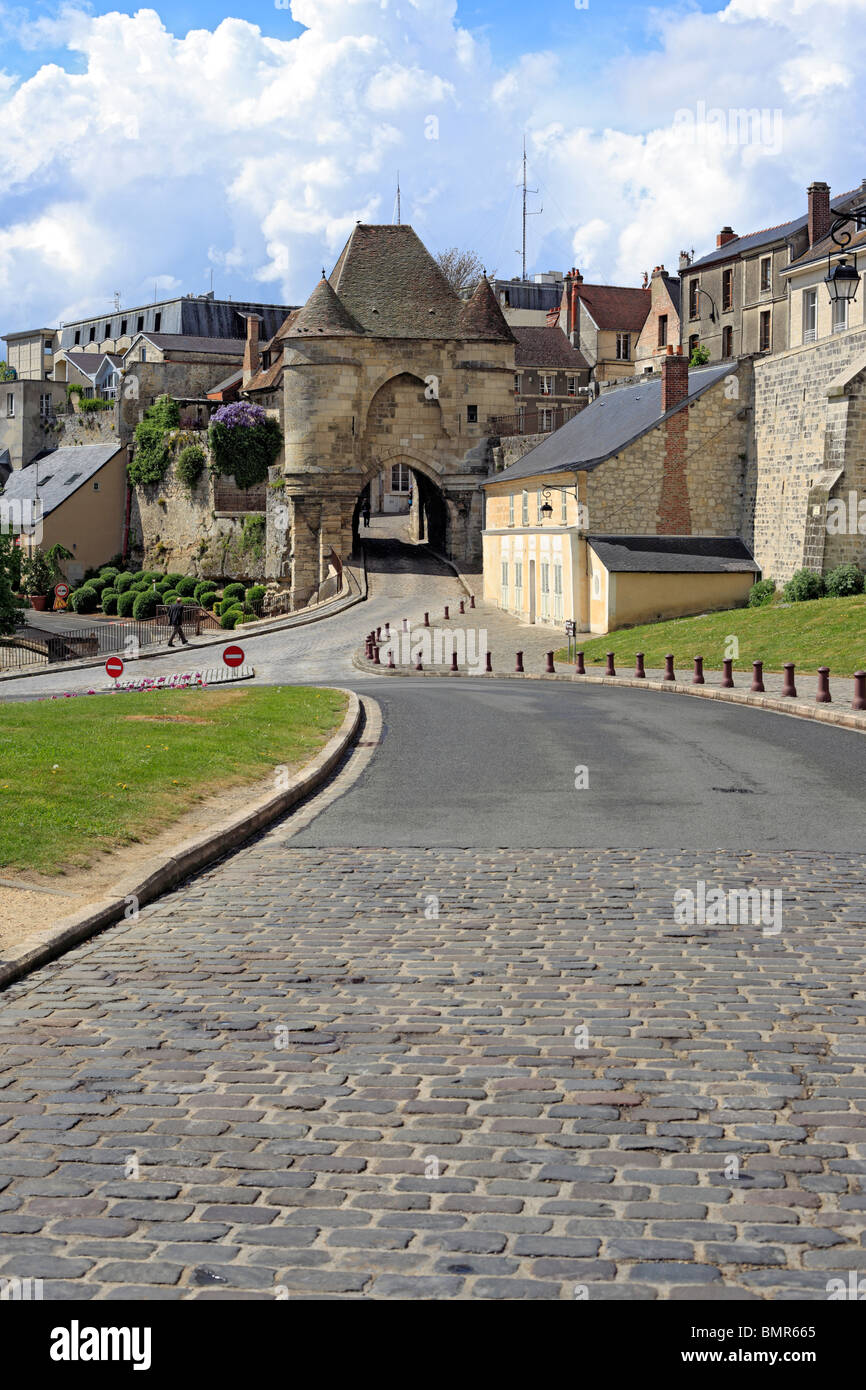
x=384, y=364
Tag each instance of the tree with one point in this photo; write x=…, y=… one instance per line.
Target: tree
x=6, y=373
x=462, y=269
x=10, y=609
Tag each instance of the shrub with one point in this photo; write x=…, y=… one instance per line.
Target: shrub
x=174, y=577
x=125, y=604
x=843, y=581
x=151, y=457
x=122, y=582
x=109, y=600
x=190, y=465
x=224, y=604
x=169, y=597
x=761, y=593
x=186, y=587
x=700, y=355
x=164, y=586
x=109, y=572
x=153, y=575
x=802, y=586
x=91, y=403
x=84, y=599
x=189, y=602
x=234, y=591
x=144, y=606
x=208, y=599
x=230, y=618
x=98, y=584
x=204, y=586
x=255, y=597
x=245, y=441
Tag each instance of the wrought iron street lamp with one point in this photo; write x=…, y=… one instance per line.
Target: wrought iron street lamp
x=842, y=279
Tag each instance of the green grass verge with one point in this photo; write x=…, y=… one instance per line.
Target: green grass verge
x=823, y=632
x=85, y=775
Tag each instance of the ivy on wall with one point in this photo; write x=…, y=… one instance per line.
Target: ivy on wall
x=150, y=460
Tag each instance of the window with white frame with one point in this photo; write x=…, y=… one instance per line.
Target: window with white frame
x=557, y=591
x=44, y=405
x=503, y=590
x=545, y=384
x=563, y=507
x=511, y=509
x=839, y=317
x=571, y=385
x=10, y=403
x=545, y=590
x=518, y=383
x=810, y=315
x=539, y=503
x=545, y=420
x=401, y=478
x=623, y=347
x=766, y=274
x=524, y=508
x=518, y=586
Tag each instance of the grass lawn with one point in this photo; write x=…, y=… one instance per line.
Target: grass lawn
x=823, y=632
x=100, y=771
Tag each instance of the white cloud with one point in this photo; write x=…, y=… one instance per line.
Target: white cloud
x=150, y=155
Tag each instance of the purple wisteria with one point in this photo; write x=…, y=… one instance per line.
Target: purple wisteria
x=239, y=414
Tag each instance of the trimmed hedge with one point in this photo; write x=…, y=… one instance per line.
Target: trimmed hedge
x=98, y=584
x=109, y=572
x=109, y=600
x=169, y=597
x=84, y=599
x=144, y=606
x=230, y=618
x=186, y=587
x=255, y=595
x=123, y=582
x=234, y=591
x=125, y=603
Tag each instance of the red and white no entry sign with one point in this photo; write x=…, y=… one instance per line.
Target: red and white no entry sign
x=233, y=656
x=114, y=666
x=61, y=590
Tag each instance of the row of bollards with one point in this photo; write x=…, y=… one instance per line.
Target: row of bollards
x=375, y=639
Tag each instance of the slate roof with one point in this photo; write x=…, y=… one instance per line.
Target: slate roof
x=5, y=464
x=90, y=362
x=672, y=284
x=608, y=424
x=616, y=306
x=673, y=554
x=546, y=347
x=234, y=380
x=481, y=316
x=182, y=342
x=324, y=315
x=283, y=330
x=827, y=246
x=392, y=287
x=59, y=474
x=767, y=236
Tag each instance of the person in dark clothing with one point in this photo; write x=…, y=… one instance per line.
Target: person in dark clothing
x=365, y=513
x=175, y=617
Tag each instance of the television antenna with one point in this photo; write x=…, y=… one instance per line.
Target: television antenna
x=525, y=213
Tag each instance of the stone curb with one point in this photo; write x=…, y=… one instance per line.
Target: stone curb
x=193, y=856
x=302, y=619
x=794, y=708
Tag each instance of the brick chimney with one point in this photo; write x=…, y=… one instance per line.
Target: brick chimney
x=573, y=281
x=725, y=235
x=819, y=211
x=675, y=377
x=251, y=349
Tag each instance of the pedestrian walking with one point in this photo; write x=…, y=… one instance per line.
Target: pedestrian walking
x=365, y=513
x=175, y=617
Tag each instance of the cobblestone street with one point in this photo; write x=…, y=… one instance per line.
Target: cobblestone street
x=293, y=1077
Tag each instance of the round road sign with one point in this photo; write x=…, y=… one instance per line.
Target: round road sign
x=114, y=666
x=61, y=590
x=233, y=656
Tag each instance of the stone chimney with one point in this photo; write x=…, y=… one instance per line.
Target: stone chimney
x=675, y=377
x=725, y=235
x=819, y=211
x=251, y=349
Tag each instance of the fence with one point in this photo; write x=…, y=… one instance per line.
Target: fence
x=33, y=646
x=540, y=421
x=230, y=498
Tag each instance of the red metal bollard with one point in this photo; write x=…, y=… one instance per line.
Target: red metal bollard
x=669, y=674
x=859, y=701
x=426, y=619
x=446, y=610
x=376, y=661
x=758, y=677
x=549, y=668
x=823, y=695
x=579, y=668
x=728, y=673
x=488, y=669
x=789, y=689
x=387, y=632
x=418, y=666
x=698, y=677
x=390, y=660
x=471, y=600
x=639, y=671
x=368, y=649
x=454, y=663
x=519, y=663
x=462, y=608
x=378, y=634
x=610, y=671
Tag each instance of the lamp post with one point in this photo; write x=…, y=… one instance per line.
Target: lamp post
x=843, y=279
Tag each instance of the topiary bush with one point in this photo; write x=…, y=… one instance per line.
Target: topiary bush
x=190, y=466
x=98, y=584
x=761, y=593
x=84, y=599
x=186, y=587
x=843, y=581
x=230, y=617
x=144, y=606
x=204, y=586
x=169, y=597
x=109, y=600
x=234, y=591
x=255, y=597
x=123, y=581
x=125, y=604
x=803, y=586
x=109, y=572
x=174, y=577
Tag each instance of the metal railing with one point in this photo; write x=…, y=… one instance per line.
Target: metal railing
x=541, y=421
x=33, y=646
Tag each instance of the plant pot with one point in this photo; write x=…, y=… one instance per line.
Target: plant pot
x=38, y=602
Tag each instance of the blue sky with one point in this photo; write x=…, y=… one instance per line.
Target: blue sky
x=153, y=147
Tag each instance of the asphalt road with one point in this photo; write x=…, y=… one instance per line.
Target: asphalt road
x=475, y=764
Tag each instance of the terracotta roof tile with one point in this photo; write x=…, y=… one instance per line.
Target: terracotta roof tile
x=546, y=347
x=616, y=306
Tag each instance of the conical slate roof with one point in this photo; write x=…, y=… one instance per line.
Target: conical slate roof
x=323, y=315
x=481, y=316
